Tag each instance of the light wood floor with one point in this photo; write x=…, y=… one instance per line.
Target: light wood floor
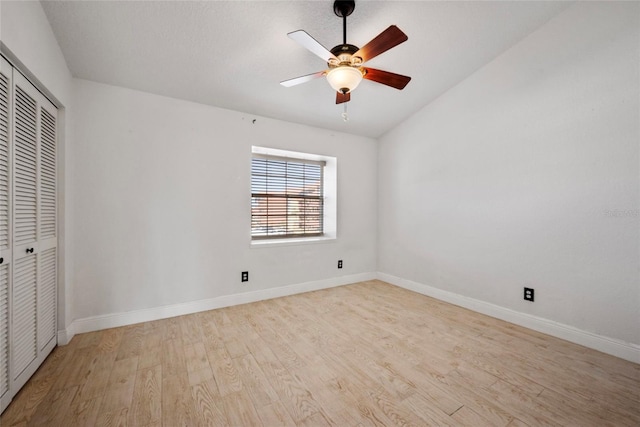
x=364, y=354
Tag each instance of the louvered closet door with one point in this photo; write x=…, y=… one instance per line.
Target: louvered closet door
x=25, y=207
x=5, y=226
x=47, y=236
x=34, y=230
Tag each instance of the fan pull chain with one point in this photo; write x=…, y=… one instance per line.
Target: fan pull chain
x=345, y=116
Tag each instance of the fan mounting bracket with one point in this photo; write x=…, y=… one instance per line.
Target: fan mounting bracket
x=343, y=8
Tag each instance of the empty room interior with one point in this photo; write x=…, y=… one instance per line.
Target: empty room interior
x=311, y=213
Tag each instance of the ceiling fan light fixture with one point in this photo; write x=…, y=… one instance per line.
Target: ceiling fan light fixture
x=344, y=79
x=346, y=61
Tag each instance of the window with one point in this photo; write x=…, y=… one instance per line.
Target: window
x=287, y=197
x=294, y=197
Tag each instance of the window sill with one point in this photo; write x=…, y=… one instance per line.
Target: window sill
x=267, y=243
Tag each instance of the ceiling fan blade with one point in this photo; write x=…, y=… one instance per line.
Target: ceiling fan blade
x=384, y=41
x=302, y=79
x=343, y=97
x=311, y=44
x=397, y=81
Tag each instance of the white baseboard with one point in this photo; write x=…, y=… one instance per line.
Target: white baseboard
x=96, y=323
x=618, y=348
x=612, y=346
x=64, y=336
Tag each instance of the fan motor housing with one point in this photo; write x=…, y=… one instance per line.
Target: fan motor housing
x=344, y=53
x=344, y=48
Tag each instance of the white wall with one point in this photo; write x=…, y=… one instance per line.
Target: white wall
x=28, y=41
x=26, y=32
x=162, y=203
x=527, y=173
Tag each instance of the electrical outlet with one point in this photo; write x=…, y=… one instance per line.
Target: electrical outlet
x=339, y=263
x=528, y=294
x=245, y=276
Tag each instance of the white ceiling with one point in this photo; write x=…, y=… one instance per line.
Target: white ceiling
x=233, y=54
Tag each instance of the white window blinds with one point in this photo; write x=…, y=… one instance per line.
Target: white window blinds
x=286, y=197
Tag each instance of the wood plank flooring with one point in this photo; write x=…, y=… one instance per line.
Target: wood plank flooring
x=368, y=354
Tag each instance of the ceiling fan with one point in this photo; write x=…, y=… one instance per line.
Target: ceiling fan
x=346, y=61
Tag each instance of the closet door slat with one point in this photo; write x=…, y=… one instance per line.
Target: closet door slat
x=4, y=160
x=47, y=175
x=23, y=335
x=25, y=167
x=5, y=224
x=46, y=297
x=4, y=329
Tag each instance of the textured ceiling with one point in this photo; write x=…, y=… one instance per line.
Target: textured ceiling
x=233, y=54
